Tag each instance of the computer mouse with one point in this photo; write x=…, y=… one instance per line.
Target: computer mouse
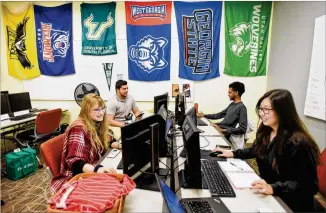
x=215, y=154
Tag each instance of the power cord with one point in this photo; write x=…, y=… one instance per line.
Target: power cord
x=207, y=142
x=178, y=166
x=181, y=185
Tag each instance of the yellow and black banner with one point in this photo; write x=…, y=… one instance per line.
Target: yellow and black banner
x=20, y=36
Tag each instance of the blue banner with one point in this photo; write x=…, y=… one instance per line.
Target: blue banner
x=149, y=40
x=198, y=26
x=54, y=39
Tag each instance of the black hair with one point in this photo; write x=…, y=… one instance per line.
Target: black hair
x=238, y=87
x=290, y=126
x=120, y=83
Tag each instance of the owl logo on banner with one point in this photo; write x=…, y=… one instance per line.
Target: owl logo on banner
x=54, y=43
x=16, y=43
x=241, y=33
x=148, y=53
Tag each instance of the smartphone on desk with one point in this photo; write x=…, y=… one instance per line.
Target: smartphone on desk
x=113, y=153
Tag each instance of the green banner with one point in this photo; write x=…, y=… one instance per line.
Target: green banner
x=98, y=29
x=246, y=37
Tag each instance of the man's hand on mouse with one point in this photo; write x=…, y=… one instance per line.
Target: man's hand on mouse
x=225, y=153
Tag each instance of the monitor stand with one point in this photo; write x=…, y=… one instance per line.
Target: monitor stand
x=187, y=183
x=148, y=181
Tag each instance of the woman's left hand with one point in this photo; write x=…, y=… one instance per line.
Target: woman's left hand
x=262, y=187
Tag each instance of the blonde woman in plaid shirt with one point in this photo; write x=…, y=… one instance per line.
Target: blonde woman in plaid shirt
x=86, y=141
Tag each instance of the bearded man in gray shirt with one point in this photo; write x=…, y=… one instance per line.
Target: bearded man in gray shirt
x=121, y=105
x=235, y=113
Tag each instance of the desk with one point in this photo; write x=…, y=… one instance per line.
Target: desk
x=8, y=123
x=149, y=201
x=138, y=200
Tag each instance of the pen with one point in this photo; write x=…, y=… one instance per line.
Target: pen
x=236, y=166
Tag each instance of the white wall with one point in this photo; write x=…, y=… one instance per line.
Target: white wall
x=293, y=62
x=211, y=94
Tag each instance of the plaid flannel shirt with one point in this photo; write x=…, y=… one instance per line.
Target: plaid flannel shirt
x=78, y=145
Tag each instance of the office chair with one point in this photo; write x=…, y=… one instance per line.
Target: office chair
x=321, y=173
x=51, y=152
x=240, y=140
x=47, y=125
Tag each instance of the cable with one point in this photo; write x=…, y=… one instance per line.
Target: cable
x=207, y=142
x=181, y=185
x=178, y=166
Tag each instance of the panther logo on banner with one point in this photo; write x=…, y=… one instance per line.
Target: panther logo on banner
x=148, y=53
x=241, y=34
x=16, y=43
x=96, y=29
x=55, y=43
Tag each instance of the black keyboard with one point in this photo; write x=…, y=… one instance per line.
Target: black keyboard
x=39, y=110
x=200, y=122
x=21, y=117
x=200, y=206
x=120, y=165
x=217, y=182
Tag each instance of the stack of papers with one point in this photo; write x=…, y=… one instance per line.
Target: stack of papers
x=235, y=165
x=240, y=174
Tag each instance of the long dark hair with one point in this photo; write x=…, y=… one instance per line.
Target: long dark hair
x=290, y=126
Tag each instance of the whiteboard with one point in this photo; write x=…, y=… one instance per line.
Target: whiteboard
x=89, y=68
x=315, y=98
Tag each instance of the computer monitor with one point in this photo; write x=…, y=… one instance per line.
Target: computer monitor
x=159, y=101
x=192, y=113
x=180, y=108
x=5, y=107
x=190, y=176
x=168, y=123
x=140, y=146
x=19, y=101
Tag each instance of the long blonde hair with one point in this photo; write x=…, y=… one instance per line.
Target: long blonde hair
x=100, y=140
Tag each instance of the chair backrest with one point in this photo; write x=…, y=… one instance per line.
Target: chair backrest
x=51, y=152
x=48, y=121
x=321, y=172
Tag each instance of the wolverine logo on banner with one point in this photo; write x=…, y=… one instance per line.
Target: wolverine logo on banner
x=241, y=39
x=54, y=42
x=16, y=44
x=148, y=53
x=148, y=11
x=95, y=30
x=19, y=33
x=198, y=25
x=198, y=41
x=246, y=38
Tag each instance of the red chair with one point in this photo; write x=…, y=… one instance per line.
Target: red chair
x=47, y=125
x=51, y=152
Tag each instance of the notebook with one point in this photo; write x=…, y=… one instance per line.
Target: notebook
x=240, y=174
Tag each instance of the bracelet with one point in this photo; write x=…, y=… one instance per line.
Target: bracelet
x=96, y=168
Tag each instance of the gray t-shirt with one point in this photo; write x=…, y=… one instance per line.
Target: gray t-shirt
x=120, y=108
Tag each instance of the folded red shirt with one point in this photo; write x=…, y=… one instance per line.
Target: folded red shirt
x=96, y=193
